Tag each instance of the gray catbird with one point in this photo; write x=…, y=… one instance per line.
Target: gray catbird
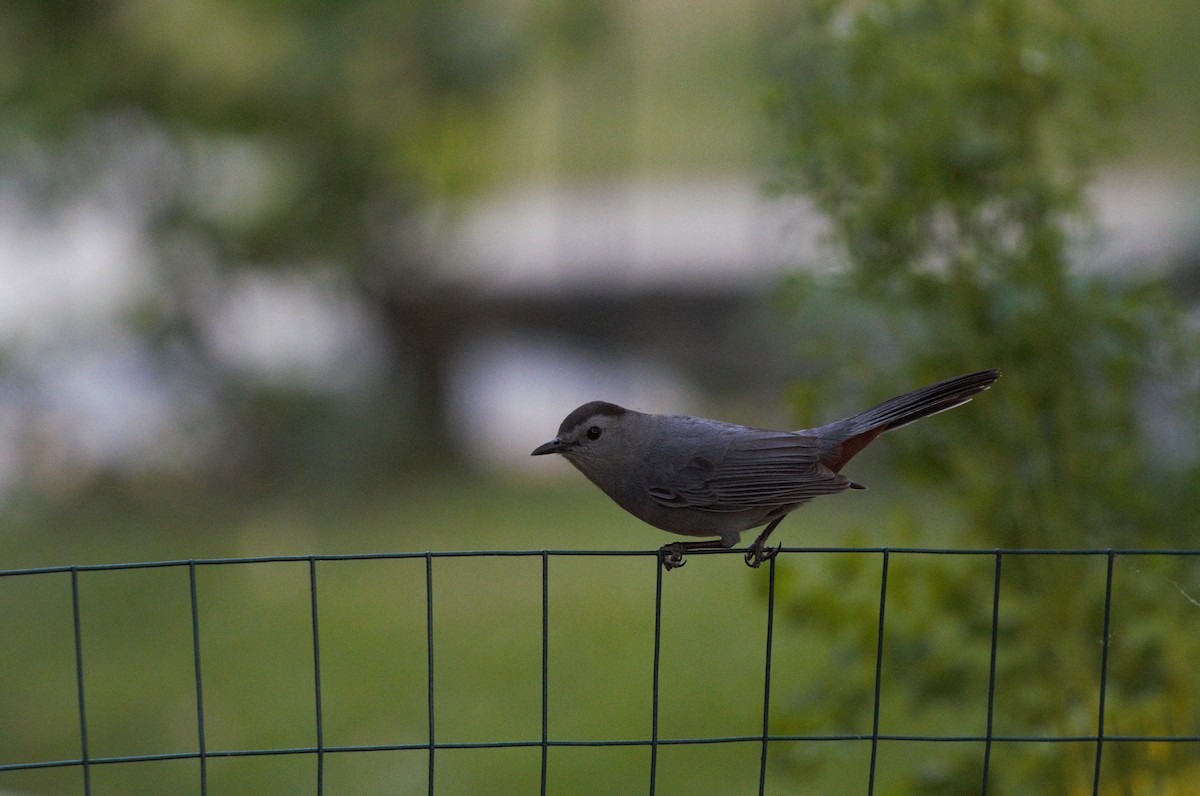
x=699, y=477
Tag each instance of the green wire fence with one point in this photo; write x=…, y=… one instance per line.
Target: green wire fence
x=85, y=762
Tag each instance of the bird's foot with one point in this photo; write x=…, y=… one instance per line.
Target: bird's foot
x=671, y=556
x=759, y=552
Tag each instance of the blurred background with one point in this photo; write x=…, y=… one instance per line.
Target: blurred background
x=315, y=277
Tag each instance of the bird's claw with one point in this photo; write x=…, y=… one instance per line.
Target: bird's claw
x=758, y=553
x=671, y=556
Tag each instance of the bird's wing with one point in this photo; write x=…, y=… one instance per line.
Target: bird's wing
x=768, y=468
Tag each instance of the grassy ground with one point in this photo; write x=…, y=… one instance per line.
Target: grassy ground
x=256, y=641
x=257, y=656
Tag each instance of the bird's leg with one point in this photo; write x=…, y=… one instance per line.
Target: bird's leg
x=758, y=552
x=671, y=555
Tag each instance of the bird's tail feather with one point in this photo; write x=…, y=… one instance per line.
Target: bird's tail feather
x=912, y=406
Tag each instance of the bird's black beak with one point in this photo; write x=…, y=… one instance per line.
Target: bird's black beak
x=553, y=446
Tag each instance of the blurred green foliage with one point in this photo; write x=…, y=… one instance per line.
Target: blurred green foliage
x=361, y=102
x=949, y=143
x=252, y=135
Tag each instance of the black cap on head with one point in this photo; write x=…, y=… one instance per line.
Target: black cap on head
x=589, y=410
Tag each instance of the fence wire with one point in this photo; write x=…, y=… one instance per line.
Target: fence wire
x=202, y=754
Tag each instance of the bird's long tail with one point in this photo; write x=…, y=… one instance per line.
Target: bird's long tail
x=853, y=433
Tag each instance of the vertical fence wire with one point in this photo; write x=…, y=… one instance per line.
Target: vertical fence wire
x=316, y=648
x=1108, y=582
x=85, y=759
x=883, y=579
x=545, y=667
x=654, y=677
x=429, y=661
x=200, y=741
x=991, y=693
x=766, y=711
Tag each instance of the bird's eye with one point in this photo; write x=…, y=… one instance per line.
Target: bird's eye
x=593, y=432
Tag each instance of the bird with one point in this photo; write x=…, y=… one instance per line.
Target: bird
x=708, y=478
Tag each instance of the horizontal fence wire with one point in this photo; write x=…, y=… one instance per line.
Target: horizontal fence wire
x=980, y=551
x=320, y=750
